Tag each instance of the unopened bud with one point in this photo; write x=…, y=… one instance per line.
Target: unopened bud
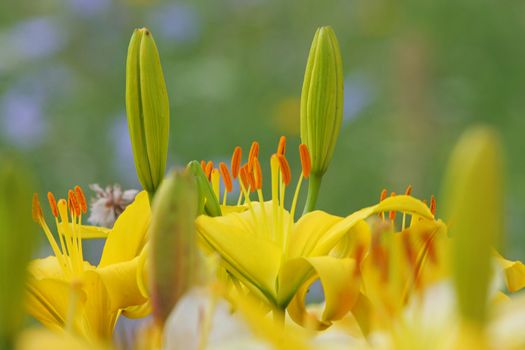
x=17, y=235
x=173, y=255
x=147, y=109
x=474, y=207
x=322, y=99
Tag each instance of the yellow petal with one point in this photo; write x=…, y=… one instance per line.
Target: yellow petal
x=308, y=231
x=138, y=311
x=248, y=257
x=514, y=274
x=93, y=232
x=341, y=288
x=47, y=301
x=399, y=203
x=129, y=233
x=99, y=312
x=122, y=283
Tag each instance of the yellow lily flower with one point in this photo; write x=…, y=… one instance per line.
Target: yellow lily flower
x=277, y=257
x=66, y=292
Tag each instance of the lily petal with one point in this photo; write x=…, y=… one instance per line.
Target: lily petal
x=341, y=289
x=93, y=232
x=514, y=273
x=129, y=232
x=250, y=259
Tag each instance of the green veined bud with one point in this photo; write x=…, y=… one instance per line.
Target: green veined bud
x=322, y=99
x=17, y=235
x=474, y=202
x=147, y=108
x=321, y=106
x=174, y=258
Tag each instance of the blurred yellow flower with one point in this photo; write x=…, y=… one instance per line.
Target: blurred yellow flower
x=67, y=292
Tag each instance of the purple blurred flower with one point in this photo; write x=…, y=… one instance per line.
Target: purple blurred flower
x=176, y=22
x=119, y=134
x=38, y=37
x=89, y=8
x=358, y=94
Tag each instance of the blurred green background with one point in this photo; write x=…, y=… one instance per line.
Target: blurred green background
x=417, y=72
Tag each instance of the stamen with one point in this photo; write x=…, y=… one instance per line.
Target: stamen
x=36, y=209
x=384, y=193
x=226, y=176
x=257, y=171
x=215, y=182
x=285, y=169
x=203, y=165
x=81, y=199
x=281, y=149
x=254, y=153
x=244, y=178
x=209, y=168
x=250, y=177
x=433, y=205
x=73, y=203
x=306, y=162
x=52, y=203
x=392, y=214
x=236, y=161
x=408, y=191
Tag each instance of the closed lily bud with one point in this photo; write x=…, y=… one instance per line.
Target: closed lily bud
x=474, y=204
x=321, y=106
x=174, y=264
x=322, y=99
x=147, y=109
x=17, y=235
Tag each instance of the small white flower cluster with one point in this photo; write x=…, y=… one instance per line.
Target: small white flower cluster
x=109, y=203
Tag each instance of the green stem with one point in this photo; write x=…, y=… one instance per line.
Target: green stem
x=150, y=197
x=314, y=184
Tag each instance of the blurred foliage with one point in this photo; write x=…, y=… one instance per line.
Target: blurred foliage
x=417, y=72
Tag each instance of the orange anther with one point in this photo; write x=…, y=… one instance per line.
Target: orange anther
x=254, y=153
x=236, y=161
x=73, y=203
x=243, y=176
x=392, y=214
x=209, y=168
x=226, y=178
x=281, y=149
x=36, y=209
x=52, y=204
x=81, y=199
x=383, y=195
x=257, y=173
x=285, y=169
x=433, y=205
x=306, y=162
x=408, y=191
x=203, y=165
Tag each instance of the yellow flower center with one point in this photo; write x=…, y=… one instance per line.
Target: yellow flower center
x=250, y=179
x=68, y=220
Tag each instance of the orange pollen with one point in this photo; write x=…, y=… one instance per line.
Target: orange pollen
x=203, y=165
x=243, y=176
x=249, y=176
x=306, y=162
x=73, y=203
x=52, y=204
x=285, y=169
x=281, y=149
x=209, y=168
x=254, y=153
x=408, y=191
x=257, y=171
x=383, y=195
x=392, y=214
x=36, y=209
x=236, y=161
x=226, y=176
x=433, y=205
x=81, y=199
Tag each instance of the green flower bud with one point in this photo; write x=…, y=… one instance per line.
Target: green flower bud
x=174, y=260
x=321, y=106
x=17, y=234
x=474, y=203
x=208, y=202
x=147, y=108
x=322, y=99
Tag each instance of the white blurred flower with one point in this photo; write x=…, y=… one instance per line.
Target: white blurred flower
x=109, y=203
